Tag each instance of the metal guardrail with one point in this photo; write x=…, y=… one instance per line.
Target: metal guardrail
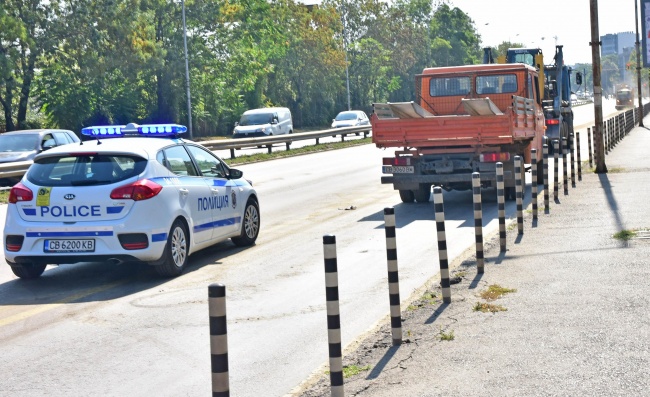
x=268, y=141
x=18, y=169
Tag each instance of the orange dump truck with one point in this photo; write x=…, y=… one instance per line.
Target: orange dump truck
x=466, y=119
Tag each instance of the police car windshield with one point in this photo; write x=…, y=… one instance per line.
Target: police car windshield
x=256, y=119
x=85, y=170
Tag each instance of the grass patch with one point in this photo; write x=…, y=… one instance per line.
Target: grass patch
x=625, y=235
x=495, y=291
x=253, y=158
x=460, y=274
x=428, y=298
x=446, y=336
x=351, y=370
x=615, y=170
x=488, y=308
x=4, y=196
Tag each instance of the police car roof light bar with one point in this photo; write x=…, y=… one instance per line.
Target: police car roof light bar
x=132, y=129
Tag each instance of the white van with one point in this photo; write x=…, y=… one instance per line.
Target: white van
x=264, y=122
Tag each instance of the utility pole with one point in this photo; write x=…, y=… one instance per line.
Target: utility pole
x=599, y=148
x=638, y=63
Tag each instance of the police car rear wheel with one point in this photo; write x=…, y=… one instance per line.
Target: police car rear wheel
x=28, y=271
x=175, y=255
x=250, y=225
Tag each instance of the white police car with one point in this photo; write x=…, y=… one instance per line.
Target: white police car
x=136, y=193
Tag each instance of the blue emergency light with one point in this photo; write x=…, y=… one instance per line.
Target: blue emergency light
x=131, y=129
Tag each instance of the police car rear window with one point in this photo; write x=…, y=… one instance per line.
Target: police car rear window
x=85, y=170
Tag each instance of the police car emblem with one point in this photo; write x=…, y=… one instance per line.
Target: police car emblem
x=234, y=200
x=69, y=196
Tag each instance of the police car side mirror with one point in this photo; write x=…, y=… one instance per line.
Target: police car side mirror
x=235, y=174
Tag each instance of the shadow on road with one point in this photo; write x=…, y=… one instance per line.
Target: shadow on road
x=100, y=281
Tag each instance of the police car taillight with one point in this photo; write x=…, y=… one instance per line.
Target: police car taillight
x=20, y=193
x=143, y=189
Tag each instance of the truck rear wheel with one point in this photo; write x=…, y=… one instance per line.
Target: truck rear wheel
x=423, y=194
x=406, y=196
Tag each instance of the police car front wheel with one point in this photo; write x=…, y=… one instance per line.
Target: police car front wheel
x=28, y=270
x=175, y=256
x=250, y=225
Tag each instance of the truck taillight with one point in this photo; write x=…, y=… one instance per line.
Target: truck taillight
x=494, y=157
x=552, y=121
x=397, y=161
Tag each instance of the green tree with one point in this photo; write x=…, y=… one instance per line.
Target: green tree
x=457, y=29
x=23, y=40
x=307, y=78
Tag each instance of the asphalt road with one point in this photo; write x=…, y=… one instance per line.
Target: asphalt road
x=95, y=328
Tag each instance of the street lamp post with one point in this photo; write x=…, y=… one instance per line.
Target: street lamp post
x=187, y=75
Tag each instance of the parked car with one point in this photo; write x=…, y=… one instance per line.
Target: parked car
x=140, y=193
x=350, y=118
x=23, y=145
x=264, y=122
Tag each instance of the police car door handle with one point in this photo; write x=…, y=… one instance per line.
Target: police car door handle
x=215, y=191
x=184, y=191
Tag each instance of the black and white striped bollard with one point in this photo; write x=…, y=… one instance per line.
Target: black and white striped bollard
x=218, y=340
x=533, y=185
x=547, y=208
x=578, y=154
x=501, y=203
x=478, y=221
x=556, y=168
x=439, y=207
x=591, y=154
x=572, y=146
x=565, y=172
x=393, y=277
x=520, y=194
x=333, y=316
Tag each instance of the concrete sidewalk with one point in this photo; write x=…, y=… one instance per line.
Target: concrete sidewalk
x=578, y=323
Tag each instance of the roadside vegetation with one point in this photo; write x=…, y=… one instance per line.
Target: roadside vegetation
x=493, y=292
x=94, y=66
x=625, y=235
x=4, y=196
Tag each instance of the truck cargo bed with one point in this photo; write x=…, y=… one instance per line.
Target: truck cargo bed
x=408, y=125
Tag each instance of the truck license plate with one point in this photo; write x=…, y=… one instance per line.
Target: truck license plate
x=393, y=169
x=69, y=245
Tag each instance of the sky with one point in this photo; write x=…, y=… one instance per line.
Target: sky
x=538, y=24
